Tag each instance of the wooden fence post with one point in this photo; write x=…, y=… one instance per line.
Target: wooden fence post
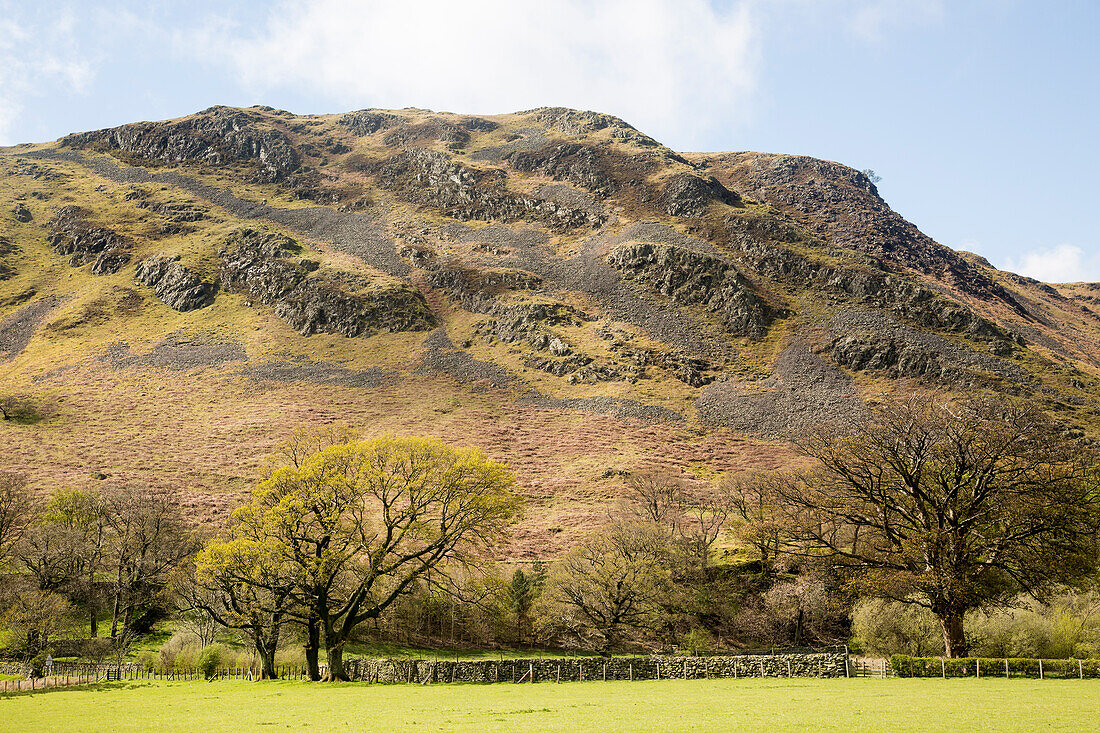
x=1006, y=669
x=943, y=668
x=977, y=669
x=1040, y=669
x=1080, y=670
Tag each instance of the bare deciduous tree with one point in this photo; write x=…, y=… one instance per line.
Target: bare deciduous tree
x=953, y=505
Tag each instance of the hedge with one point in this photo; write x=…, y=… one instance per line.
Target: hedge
x=904, y=666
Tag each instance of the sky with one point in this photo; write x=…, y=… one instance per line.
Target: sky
x=980, y=116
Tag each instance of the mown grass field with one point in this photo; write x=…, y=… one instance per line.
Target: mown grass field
x=671, y=705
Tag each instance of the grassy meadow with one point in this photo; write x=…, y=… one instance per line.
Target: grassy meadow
x=669, y=705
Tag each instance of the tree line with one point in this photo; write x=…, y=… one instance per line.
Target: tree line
x=951, y=506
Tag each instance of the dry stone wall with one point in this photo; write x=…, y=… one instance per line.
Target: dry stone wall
x=580, y=669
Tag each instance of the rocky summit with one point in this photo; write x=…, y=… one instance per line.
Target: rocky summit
x=552, y=286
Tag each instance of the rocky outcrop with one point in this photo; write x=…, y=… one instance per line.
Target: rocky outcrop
x=527, y=322
x=871, y=341
x=177, y=286
x=843, y=205
x=215, y=136
x=685, y=194
x=692, y=278
x=71, y=234
x=897, y=295
x=367, y=121
x=267, y=267
x=432, y=178
x=21, y=213
x=477, y=289
x=573, y=163
x=583, y=122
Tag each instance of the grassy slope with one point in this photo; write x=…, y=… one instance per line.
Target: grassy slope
x=696, y=705
x=205, y=430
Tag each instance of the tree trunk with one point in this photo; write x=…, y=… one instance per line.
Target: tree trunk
x=313, y=648
x=335, y=655
x=265, y=649
x=93, y=606
x=954, y=639
x=114, y=613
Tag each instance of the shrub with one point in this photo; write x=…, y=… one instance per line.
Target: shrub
x=888, y=627
x=210, y=660
x=148, y=661
x=906, y=666
x=697, y=641
x=179, y=652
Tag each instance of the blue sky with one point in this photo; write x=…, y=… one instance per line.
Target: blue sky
x=980, y=115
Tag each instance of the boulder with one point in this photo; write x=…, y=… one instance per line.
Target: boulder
x=177, y=286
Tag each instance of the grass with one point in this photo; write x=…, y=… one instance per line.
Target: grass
x=696, y=705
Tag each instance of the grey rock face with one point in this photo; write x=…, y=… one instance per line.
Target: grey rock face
x=477, y=289
x=215, y=136
x=689, y=195
x=899, y=296
x=21, y=213
x=177, y=286
x=692, y=278
x=844, y=206
x=570, y=162
x=432, y=178
x=71, y=234
x=266, y=266
x=367, y=121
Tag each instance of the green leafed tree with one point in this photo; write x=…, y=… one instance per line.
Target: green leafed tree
x=357, y=524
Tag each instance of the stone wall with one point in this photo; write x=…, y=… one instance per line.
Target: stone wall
x=823, y=664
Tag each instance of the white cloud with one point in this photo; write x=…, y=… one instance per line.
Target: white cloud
x=674, y=68
x=1064, y=263
x=36, y=53
x=873, y=21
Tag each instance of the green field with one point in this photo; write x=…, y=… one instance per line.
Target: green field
x=671, y=705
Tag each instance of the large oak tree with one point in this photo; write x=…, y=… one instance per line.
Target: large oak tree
x=953, y=505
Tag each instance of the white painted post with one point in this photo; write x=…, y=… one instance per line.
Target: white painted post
x=531, y=669
x=1080, y=670
x=761, y=669
x=605, y=671
x=943, y=668
x=631, y=672
x=789, y=669
x=1006, y=669
x=557, y=674
x=1040, y=669
x=977, y=669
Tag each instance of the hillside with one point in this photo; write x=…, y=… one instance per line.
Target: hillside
x=552, y=286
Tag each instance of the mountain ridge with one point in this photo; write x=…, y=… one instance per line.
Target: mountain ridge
x=555, y=268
